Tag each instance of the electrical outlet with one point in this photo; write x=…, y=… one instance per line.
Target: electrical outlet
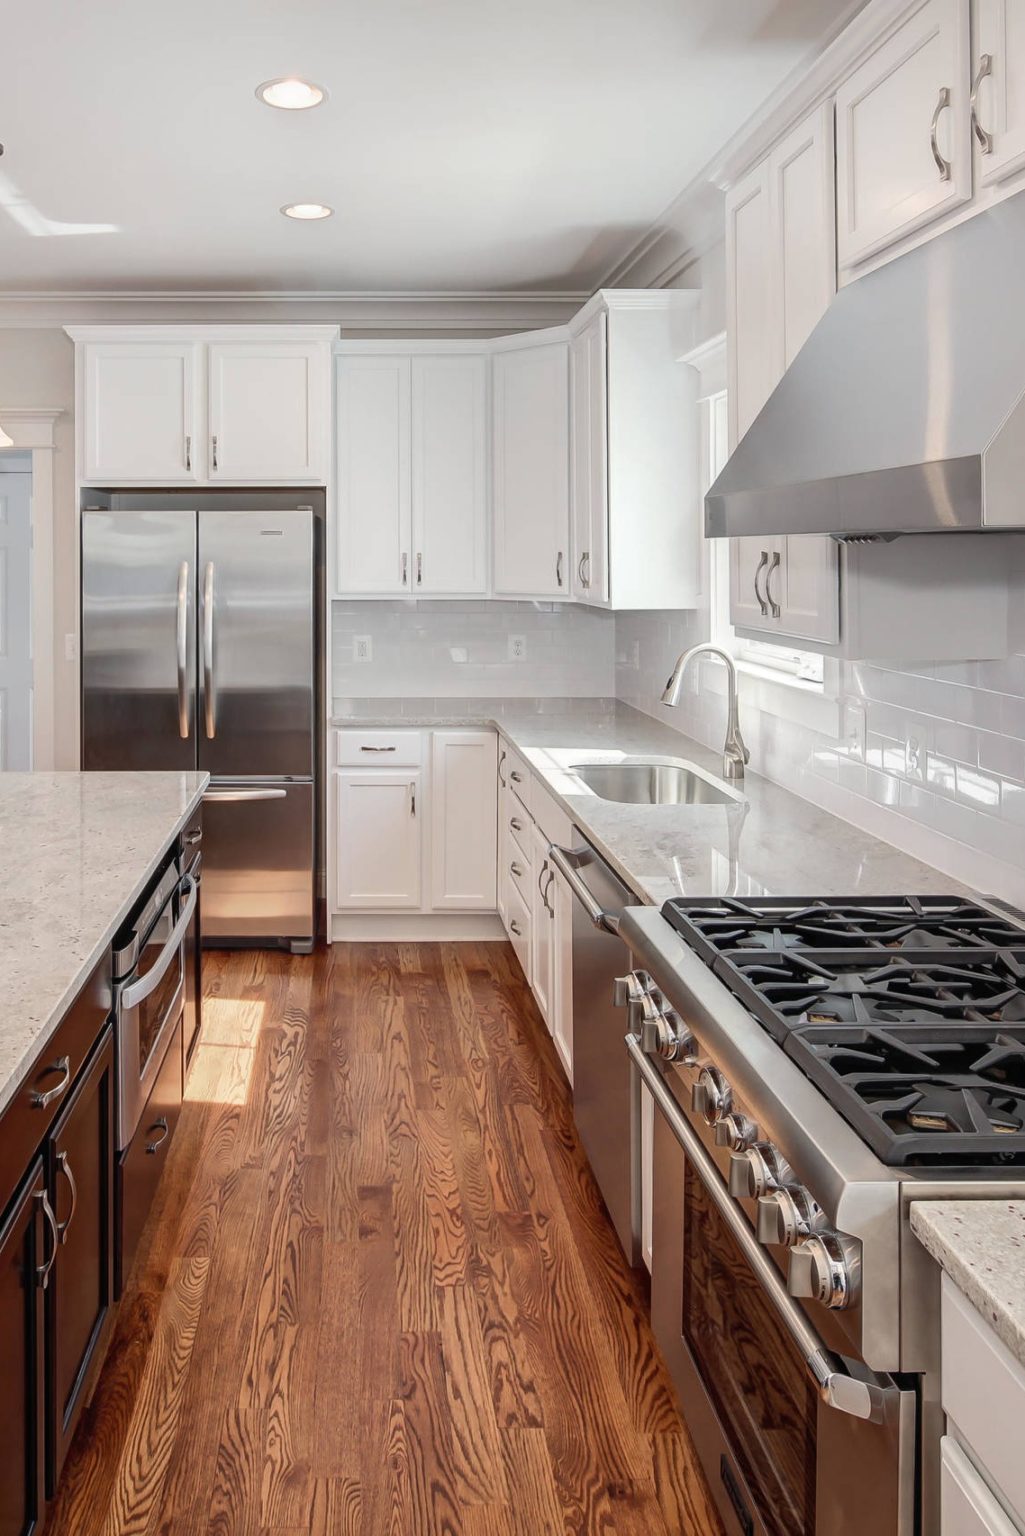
x=517, y=647
x=362, y=648
x=914, y=759
x=854, y=729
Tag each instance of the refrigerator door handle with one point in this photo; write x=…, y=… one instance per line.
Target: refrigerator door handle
x=244, y=794
x=209, y=694
x=182, y=643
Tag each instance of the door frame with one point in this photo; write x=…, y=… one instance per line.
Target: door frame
x=31, y=428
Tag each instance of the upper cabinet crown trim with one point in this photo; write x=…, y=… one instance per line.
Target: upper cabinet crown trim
x=201, y=333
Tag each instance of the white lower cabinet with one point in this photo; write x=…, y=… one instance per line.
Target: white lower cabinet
x=561, y=899
x=379, y=845
x=464, y=819
x=967, y=1506
x=542, y=928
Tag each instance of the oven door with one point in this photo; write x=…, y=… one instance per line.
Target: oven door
x=149, y=1003
x=794, y=1440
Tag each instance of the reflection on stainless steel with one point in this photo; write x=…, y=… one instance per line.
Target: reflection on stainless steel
x=938, y=446
x=640, y=783
x=734, y=753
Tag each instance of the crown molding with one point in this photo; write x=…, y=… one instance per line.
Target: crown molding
x=406, y=312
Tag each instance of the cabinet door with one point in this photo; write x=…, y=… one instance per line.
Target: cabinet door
x=589, y=461
x=464, y=821
x=803, y=211
x=752, y=348
x=967, y=1506
x=903, y=147
x=531, y=471
x=806, y=588
x=267, y=410
x=23, y=1250
x=750, y=563
x=449, y=489
x=542, y=929
x=377, y=826
x=139, y=412
x=80, y=1153
x=373, y=506
x=1000, y=88
x=561, y=899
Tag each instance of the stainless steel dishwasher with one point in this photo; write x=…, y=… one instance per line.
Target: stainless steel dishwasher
x=603, y=1098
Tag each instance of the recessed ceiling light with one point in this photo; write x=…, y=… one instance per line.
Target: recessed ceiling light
x=307, y=211
x=290, y=93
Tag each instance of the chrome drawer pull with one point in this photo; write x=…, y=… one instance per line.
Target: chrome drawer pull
x=41, y=1100
x=161, y=1126
x=64, y=1167
x=43, y=1270
x=515, y=928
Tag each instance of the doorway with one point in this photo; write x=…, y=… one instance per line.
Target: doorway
x=15, y=609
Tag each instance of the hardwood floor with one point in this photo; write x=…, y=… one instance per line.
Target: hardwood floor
x=380, y=1295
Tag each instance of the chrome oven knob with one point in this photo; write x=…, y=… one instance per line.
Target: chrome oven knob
x=668, y=1037
x=819, y=1269
x=631, y=988
x=756, y=1170
x=736, y=1131
x=711, y=1096
x=786, y=1216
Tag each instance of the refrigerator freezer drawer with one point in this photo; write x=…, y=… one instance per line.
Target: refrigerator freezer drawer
x=258, y=862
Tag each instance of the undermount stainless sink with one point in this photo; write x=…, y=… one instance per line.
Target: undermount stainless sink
x=652, y=783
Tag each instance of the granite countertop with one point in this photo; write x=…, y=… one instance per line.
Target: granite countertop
x=769, y=841
x=76, y=849
x=981, y=1246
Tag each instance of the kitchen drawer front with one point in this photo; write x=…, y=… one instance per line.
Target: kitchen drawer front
x=517, y=824
x=519, y=927
x=967, y=1506
x=520, y=869
x=26, y=1120
x=514, y=773
x=550, y=816
x=142, y=1165
x=983, y=1393
x=378, y=749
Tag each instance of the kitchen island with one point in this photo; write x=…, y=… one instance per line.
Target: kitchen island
x=80, y=855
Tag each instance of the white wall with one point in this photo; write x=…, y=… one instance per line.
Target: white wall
x=37, y=368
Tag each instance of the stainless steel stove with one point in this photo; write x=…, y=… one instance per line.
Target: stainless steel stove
x=817, y=1065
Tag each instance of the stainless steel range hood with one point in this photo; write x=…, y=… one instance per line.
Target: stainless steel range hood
x=904, y=411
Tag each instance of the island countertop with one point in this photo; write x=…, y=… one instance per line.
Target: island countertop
x=76, y=850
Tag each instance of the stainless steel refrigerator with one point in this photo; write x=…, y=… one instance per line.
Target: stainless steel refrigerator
x=199, y=650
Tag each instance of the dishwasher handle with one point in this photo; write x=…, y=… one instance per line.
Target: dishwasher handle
x=565, y=861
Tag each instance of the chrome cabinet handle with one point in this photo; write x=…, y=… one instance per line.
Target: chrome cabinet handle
x=517, y=869
x=517, y=778
x=209, y=694
x=942, y=102
x=194, y=837
x=412, y=798
x=405, y=569
x=43, y=1270
x=182, y=649
x=544, y=894
x=64, y=1167
x=501, y=760
x=762, y=604
x=543, y=889
x=213, y=443
x=61, y=1065
x=377, y=749
x=584, y=561
x=860, y=1399
x=985, y=138
x=558, y=569
x=516, y=823
x=419, y=569
x=138, y=992
x=566, y=860
x=774, y=607
x=515, y=928
x=161, y=1126
x=188, y=451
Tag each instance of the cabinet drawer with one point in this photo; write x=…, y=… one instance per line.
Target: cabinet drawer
x=513, y=773
x=555, y=825
x=520, y=869
x=378, y=749
x=517, y=824
x=967, y=1506
x=47, y=1085
x=518, y=915
x=983, y=1393
x=142, y=1165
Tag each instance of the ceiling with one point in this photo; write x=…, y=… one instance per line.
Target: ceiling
x=465, y=145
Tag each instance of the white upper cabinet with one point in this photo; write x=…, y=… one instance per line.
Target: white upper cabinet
x=753, y=349
x=531, y=469
x=167, y=404
x=803, y=222
x=373, y=512
x=267, y=409
x=449, y=474
x=588, y=392
x=903, y=135
x=998, y=94
x=634, y=451
x=138, y=405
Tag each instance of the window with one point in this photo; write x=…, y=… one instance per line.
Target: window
x=784, y=660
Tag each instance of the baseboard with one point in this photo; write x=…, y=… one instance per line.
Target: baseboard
x=413, y=927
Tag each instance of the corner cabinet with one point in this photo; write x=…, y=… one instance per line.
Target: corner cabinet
x=530, y=437
x=780, y=279
x=202, y=405
x=411, y=444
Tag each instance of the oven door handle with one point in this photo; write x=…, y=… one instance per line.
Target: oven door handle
x=561, y=858
x=137, y=993
x=860, y=1399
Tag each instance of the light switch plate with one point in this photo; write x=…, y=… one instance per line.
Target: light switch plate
x=517, y=647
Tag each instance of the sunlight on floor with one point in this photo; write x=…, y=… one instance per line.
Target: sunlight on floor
x=223, y=1064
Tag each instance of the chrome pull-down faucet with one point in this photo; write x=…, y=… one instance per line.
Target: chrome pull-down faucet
x=734, y=752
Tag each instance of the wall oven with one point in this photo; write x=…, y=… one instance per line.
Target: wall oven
x=796, y=1439
x=149, y=963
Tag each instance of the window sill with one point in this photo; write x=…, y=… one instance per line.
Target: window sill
x=812, y=705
